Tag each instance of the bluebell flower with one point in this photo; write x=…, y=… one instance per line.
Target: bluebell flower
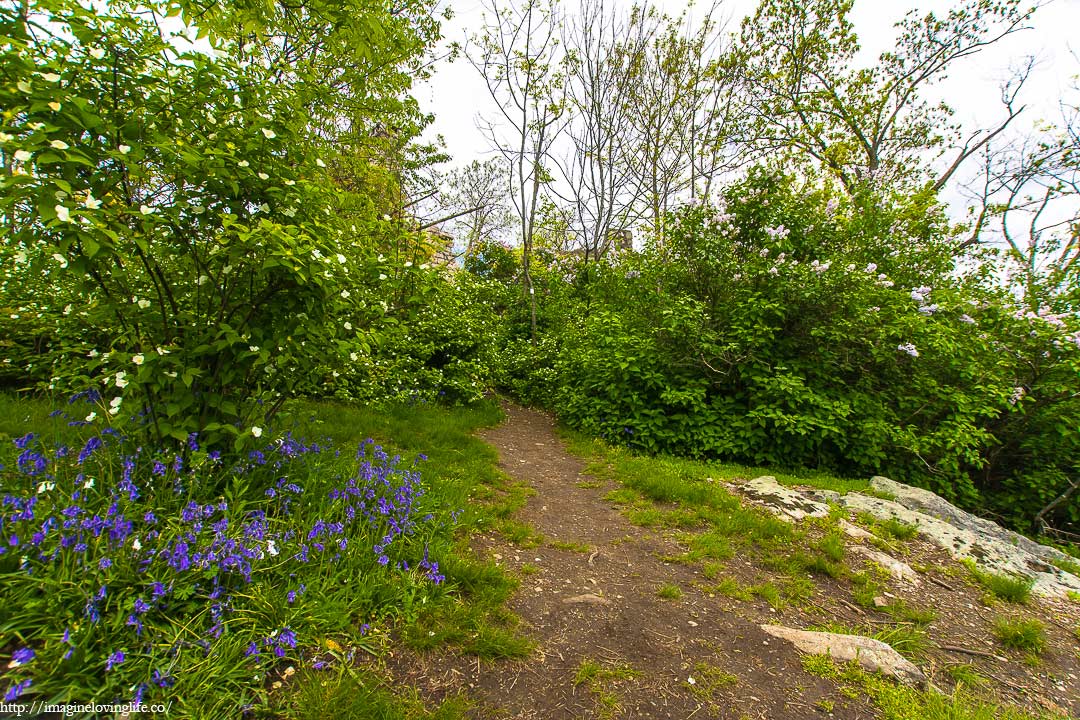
x=91, y=445
x=114, y=659
x=16, y=690
x=21, y=657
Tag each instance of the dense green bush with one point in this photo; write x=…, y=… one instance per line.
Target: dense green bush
x=792, y=327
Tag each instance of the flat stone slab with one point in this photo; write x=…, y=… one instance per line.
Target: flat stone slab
x=963, y=535
x=784, y=501
x=993, y=549
x=873, y=655
x=899, y=569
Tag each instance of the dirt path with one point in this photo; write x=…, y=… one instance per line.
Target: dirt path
x=589, y=599
x=594, y=597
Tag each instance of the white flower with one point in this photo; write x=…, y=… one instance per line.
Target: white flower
x=271, y=548
x=91, y=416
x=253, y=348
x=91, y=202
x=336, y=374
x=23, y=156
x=268, y=133
x=382, y=276
x=386, y=218
x=124, y=149
x=290, y=182
x=967, y=319
x=116, y=401
x=263, y=176
x=408, y=264
x=353, y=356
x=60, y=259
x=143, y=303
x=147, y=210
x=909, y=349
x=97, y=53
x=93, y=354
x=425, y=266
x=319, y=162
x=691, y=680
x=1017, y=393
x=50, y=77
x=256, y=431
x=871, y=267
x=136, y=545
x=347, y=325
x=345, y=294
x=243, y=163
x=138, y=359
x=62, y=214
x=89, y=482
x=43, y=486
x=161, y=351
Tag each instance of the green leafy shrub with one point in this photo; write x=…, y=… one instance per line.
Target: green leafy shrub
x=789, y=327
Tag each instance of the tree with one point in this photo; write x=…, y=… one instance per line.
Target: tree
x=476, y=197
x=1028, y=197
x=599, y=195
x=179, y=202
x=519, y=56
x=680, y=92
x=806, y=98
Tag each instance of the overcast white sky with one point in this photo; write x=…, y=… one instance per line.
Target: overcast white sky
x=457, y=96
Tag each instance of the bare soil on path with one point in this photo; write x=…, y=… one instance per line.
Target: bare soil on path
x=589, y=594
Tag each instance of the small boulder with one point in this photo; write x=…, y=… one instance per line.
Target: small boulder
x=871, y=654
x=899, y=569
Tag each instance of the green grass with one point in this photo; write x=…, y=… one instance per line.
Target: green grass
x=669, y=591
x=590, y=671
x=908, y=640
x=1020, y=634
x=569, y=546
x=1011, y=588
x=897, y=529
x=899, y=702
x=709, y=680
x=601, y=681
x=354, y=693
x=1070, y=566
x=966, y=674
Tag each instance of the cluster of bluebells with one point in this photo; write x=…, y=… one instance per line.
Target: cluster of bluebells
x=141, y=549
